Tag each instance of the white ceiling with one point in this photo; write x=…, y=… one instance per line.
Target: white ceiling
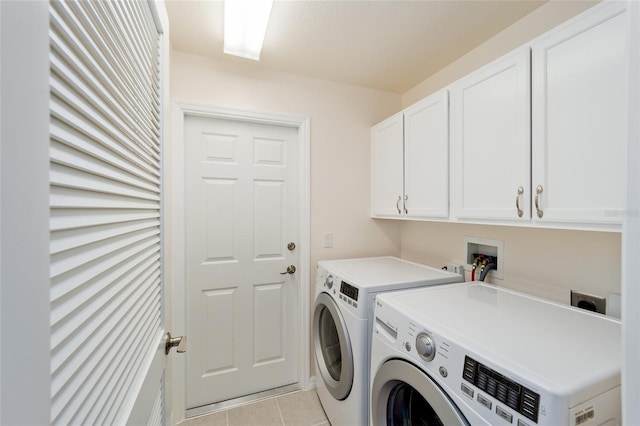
x=390, y=45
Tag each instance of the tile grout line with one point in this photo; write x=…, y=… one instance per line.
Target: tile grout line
x=280, y=411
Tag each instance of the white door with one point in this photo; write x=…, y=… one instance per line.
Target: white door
x=387, y=168
x=490, y=140
x=578, y=83
x=241, y=214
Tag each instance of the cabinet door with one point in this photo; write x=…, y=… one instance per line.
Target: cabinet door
x=426, y=157
x=578, y=143
x=387, y=168
x=490, y=141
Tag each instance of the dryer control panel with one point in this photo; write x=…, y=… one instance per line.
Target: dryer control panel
x=350, y=291
x=341, y=291
x=517, y=397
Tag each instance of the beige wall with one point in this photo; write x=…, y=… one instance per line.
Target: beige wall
x=543, y=262
x=531, y=26
x=341, y=117
x=547, y=263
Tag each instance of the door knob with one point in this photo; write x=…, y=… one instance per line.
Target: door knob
x=290, y=270
x=180, y=343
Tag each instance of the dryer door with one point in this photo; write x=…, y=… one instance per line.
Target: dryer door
x=332, y=347
x=402, y=394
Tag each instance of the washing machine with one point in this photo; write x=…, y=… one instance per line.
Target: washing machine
x=474, y=354
x=342, y=326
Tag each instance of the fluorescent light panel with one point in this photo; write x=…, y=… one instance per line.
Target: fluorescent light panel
x=245, y=24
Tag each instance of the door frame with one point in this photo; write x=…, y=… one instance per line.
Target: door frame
x=631, y=230
x=176, y=308
x=24, y=220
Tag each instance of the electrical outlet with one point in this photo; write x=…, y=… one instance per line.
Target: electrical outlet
x=590, y=302
x=328, y=239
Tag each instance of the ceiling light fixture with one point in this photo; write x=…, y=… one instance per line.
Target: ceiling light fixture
x=245, y=24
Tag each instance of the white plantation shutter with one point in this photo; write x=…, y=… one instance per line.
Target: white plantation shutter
x=157, y=412
x=106, y=293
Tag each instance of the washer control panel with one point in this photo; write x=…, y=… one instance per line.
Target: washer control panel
x=507, y=391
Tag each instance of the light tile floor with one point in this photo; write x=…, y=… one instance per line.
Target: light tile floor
x=293, y=409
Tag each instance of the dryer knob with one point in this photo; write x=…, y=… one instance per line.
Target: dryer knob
x=425, y=346
x=329, y=282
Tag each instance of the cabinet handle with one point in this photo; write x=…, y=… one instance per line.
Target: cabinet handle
x=520, y=192
x=538, y=192
x=406, y=198
x=398, y=204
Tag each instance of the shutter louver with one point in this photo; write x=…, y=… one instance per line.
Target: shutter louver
x=106, y=292
x=157, y=413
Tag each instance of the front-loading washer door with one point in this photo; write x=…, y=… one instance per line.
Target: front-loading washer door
x=332, y=347
x=402, y=394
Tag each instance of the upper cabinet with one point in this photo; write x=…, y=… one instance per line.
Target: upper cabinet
x=490, y=141
x=537, y=137
x=578, y=143
x=426, y=157
x=410, y=162
x=387, y=169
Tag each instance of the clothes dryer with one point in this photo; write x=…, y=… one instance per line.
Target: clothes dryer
x=342, y=326
x=475, y=354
